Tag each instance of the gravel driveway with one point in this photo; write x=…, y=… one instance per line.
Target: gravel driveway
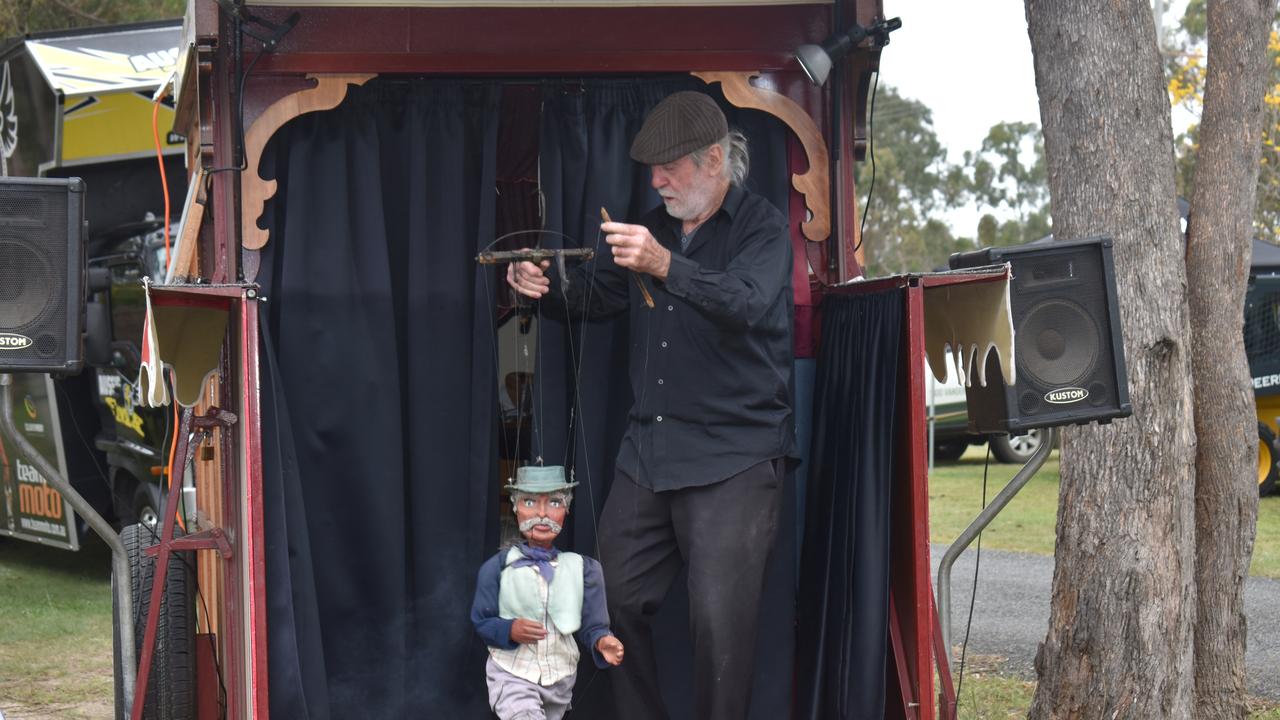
x=1011, y=613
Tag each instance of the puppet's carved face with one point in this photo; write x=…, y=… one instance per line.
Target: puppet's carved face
x=541, y=517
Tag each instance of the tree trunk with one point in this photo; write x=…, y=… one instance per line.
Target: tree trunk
x=1121, y=621
x=1219, y=245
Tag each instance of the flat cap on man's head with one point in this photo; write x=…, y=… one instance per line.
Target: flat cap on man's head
x=682, y=123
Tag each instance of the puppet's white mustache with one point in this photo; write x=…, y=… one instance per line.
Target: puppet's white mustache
x=529, y=524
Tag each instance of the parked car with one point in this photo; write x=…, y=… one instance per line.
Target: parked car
x=949, y=426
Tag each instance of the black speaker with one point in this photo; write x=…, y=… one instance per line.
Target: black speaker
x=1067, y=342
x=42, y=273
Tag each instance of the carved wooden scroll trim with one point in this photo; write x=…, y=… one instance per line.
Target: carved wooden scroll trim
x=815, y=183
x=330, y=89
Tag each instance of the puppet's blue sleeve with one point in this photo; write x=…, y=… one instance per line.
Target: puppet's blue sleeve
x=493, y=630
x=595, y=612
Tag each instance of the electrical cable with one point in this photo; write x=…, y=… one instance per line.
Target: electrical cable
x=977, y=562
x=80, y=434
x=173, y=451
x=871, y=155
x=243, y=161
x=164, y=176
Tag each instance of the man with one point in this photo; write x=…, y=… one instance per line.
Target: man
x=699, y=473
x=531, y=600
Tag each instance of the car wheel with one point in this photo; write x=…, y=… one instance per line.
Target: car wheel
x=146, y=505
x=1018, y=449
x=1268, y=455
x=171, y=684
x=949, y=450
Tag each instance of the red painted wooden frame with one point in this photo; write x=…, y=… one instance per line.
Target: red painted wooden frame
x=511, y=42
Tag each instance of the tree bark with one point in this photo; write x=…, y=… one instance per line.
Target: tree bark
x=1120, y=634
x=1219, y=246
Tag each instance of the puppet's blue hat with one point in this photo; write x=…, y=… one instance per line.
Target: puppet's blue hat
x=540, y=479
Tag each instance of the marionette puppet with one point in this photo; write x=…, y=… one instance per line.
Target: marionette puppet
x=532, y=600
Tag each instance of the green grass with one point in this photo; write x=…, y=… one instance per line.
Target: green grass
x=1026, y=524
x=1266, y=546
x=55, y=631
x=991, y=692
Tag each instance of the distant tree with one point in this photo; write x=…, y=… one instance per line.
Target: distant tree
x=1187, y=70
x=19, y=17
x=914, y=186
x=1008, y=173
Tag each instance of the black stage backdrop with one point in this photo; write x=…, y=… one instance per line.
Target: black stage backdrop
x=587, y=127
x=379, y=401
x=844, y=567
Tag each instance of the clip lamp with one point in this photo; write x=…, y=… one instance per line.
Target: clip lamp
x=816, y=60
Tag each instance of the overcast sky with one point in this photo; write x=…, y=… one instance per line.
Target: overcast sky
x=970, y=75
x=974, y=76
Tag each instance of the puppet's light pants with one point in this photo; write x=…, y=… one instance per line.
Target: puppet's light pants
x=514, y=698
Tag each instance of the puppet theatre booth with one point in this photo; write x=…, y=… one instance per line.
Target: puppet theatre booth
x=351, y=199
x=380, y=407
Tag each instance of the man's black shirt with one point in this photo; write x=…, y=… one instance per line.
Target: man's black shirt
x=711, y=362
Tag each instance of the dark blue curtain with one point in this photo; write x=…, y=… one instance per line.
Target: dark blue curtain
x=844, y=567
x=587, y=127
x=379, y=402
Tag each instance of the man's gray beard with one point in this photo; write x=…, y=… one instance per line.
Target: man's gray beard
x=529, y=524
x=695, y=202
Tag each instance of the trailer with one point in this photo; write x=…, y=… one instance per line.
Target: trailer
x=79, y=103
x=338, y=353
x=1262, y=347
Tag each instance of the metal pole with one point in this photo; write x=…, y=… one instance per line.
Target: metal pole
x=119, y=558
x=933, y=416
x=980, y=523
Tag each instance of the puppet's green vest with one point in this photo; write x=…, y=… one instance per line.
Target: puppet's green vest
x=519, y=595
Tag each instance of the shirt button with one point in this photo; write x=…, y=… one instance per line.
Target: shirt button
x=659, y=381
x=659, y=418
x=671, y=307
x=664, y=343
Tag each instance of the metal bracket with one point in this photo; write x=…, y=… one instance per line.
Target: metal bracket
x=211, y=539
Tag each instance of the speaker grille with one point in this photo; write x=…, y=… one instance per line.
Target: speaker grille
x=25, y=292
x=1058, y=343
x=1070, y=360
x=21, y=209
x=41, y=272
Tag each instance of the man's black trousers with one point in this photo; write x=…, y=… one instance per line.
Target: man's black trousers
x=724, y=533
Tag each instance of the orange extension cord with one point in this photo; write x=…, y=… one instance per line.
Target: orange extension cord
x=164, y=180
x=173, y=451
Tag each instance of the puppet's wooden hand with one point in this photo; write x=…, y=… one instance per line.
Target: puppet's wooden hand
x=526, y=631
x=610, y=648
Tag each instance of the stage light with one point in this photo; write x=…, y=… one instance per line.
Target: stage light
x=816, y=60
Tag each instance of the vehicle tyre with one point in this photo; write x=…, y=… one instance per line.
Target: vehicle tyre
x=949, y=450
x=1016, y=449
x=146, y=505
x=1268, y=456
x=171, y=686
